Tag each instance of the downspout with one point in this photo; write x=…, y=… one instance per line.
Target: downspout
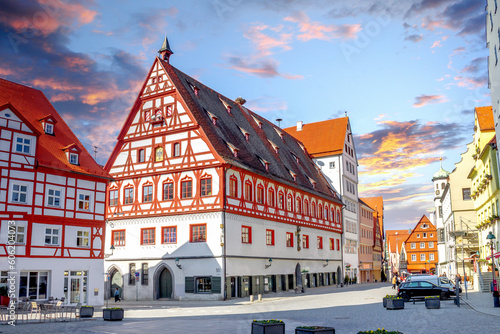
x=224, y=270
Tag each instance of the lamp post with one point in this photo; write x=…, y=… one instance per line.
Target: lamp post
x=491, y=238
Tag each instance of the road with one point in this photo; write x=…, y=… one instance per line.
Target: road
x=348, y=310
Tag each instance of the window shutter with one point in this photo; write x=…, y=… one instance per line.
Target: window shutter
x=216, y=284
x=189, y=283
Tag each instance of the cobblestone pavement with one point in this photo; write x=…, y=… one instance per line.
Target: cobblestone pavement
x=349, y=310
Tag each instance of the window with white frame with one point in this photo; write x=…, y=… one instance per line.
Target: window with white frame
x=332, y=164
x=84, y=201
x=52, y=236
x=19, y=193
x=414, y=257
x=422, y=257
x=18, y=234
x=413, y=245
x=431, y=244
x=73, y=158
x=22, y=144
x=82, y=238
x=49, y=128
x=422, y=245
x=431, y=256
x=54, y=197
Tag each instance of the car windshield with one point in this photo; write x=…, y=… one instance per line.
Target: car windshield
x=445, y=280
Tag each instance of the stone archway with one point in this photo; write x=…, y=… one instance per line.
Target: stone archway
x=163, y=283
x=115, y=281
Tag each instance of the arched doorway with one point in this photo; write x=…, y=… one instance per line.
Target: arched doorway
x=163, y=283
x=298, y=275
x=115, y=281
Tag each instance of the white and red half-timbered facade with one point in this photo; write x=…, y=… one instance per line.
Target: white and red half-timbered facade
x=207, y=195
x=52, y=203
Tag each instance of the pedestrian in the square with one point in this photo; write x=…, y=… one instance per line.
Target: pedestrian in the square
x=117, y=295
x=394, y=280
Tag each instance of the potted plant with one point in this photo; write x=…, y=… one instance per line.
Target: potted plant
x=396, y=303
x=314, y=329
x=113, y=314
x=4, y=297
x=380, y=331
x=432, y=302
x=86, y=311
x=272, y=326
x=384, y=300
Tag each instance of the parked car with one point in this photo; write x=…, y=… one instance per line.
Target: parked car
x=436, y=280
x=421, y=289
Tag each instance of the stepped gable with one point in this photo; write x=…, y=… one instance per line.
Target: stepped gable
x=32, y=105
x=228, y=130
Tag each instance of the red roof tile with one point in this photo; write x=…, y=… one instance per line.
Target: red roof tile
x=34, y=106
x=395, y=239
x=322, y=138
x=485, y=118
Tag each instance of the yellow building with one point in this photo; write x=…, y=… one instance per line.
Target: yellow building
x=484, y=180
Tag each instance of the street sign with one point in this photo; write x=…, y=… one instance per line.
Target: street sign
x=136, y=274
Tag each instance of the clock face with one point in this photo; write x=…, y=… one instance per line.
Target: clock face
x=437, y=192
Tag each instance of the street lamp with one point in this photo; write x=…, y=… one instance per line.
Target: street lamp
x=491, y=238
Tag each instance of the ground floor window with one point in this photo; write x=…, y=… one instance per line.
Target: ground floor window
x=33, y=284
x=75, y=286
x=204, y=284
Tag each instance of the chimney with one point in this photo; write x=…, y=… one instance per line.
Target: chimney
x=299, y=125
x=409, y=230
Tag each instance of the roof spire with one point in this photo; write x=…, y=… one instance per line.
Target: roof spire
x=165, y=51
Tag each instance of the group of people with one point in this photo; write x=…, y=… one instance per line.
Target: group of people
x=397, y=279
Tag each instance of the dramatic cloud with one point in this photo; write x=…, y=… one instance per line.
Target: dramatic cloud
x=264, y=68
x=266, y=43
x=424, y=100
x=315, y=30
x=414, y=38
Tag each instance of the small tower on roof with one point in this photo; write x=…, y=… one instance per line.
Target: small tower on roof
x=165, y=51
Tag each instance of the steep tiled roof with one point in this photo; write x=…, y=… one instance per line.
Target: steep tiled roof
x=229, y=131
x=322, y=138
x=33, y=106
x=485, y=118
x=377, y=204
x=395, y=239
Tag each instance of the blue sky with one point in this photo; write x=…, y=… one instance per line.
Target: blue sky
x=408, y=73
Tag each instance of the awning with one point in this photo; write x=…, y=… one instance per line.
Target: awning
x=496, y=255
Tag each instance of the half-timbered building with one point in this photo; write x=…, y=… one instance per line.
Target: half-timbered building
x=52, y=203
x=208, y=194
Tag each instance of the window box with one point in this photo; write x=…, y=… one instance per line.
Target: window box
x=112, y=314
x=268, y=327
x=86, y=311
x=432, y=302
x=314, y=329
x=395, y=304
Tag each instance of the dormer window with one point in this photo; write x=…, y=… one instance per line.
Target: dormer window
x=212, y=117
x=275, y=147
x=73, y=158
x=246, y=134
x=264, y=163
x=195, y=89
x=259, y=123
x=226, y=105
x=294, y=176
x=73, y=154
x=48, y=123
x=49, y=128
x=279, y=133
x=233, y=149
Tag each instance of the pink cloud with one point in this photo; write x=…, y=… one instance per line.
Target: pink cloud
x=62, y=97
x=265, y=68
x=436, y=44
x=423, y=100
x=265, y=43
x=315, y=30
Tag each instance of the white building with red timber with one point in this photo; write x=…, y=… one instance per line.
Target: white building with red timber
x=208, y=194
x=52, y=203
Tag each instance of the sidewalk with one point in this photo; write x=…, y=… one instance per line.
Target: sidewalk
x=481, y=302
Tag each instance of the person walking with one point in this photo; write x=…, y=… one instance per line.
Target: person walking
x=394, y=281
x=117, y=295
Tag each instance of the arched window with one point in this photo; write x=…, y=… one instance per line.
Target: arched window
x=270, y=197
x=281, y=200
x=338, y=216
x=325, y=216
x=248, y=190
x=260, y=194
x=186, y=188
x=233, y=186
x=306, y=207
x=289, y=203
x=206, y=186
x=332, y=215
x=298, y=206
x=320, y=211
x=168, y=190
x=313, y=210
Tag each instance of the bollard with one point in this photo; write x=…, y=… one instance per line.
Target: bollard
x=259, y=297
x=251, y=298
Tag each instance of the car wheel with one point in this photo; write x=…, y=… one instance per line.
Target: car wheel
x=444, y=296
x=405, y=297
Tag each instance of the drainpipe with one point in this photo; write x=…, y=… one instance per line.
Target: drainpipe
x=224, y=270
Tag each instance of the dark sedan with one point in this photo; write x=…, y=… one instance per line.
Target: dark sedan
x=422, y=289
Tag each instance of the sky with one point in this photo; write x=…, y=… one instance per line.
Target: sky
x=407, y=73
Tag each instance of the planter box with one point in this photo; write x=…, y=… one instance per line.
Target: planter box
x=395, y=304
x=258, y=328
x=324, y=330
x=384, y=302
x=433, y=303
x=112, y=315
x=86, y=312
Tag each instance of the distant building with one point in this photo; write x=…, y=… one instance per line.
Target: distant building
x=421, y=248
x=440, y=180
x=52, y=202
x=212, y=201
x=366, y=243
x=331, y=145
x=394, y=242
x=380, y=263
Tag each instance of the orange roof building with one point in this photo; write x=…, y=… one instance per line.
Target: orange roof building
x=394, y=240
x=52, y=201
x=421, y=248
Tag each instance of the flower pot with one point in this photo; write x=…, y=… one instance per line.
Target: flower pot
x=258, y=328
x=432, y=303
x=112, y=314
x=86, y=312
x=316, y=329
x=395, y=304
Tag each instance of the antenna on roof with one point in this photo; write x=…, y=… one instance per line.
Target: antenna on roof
x=95, y=152
x=279, y=121
x=345, y=111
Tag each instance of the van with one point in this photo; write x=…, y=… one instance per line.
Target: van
x=436, y=280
